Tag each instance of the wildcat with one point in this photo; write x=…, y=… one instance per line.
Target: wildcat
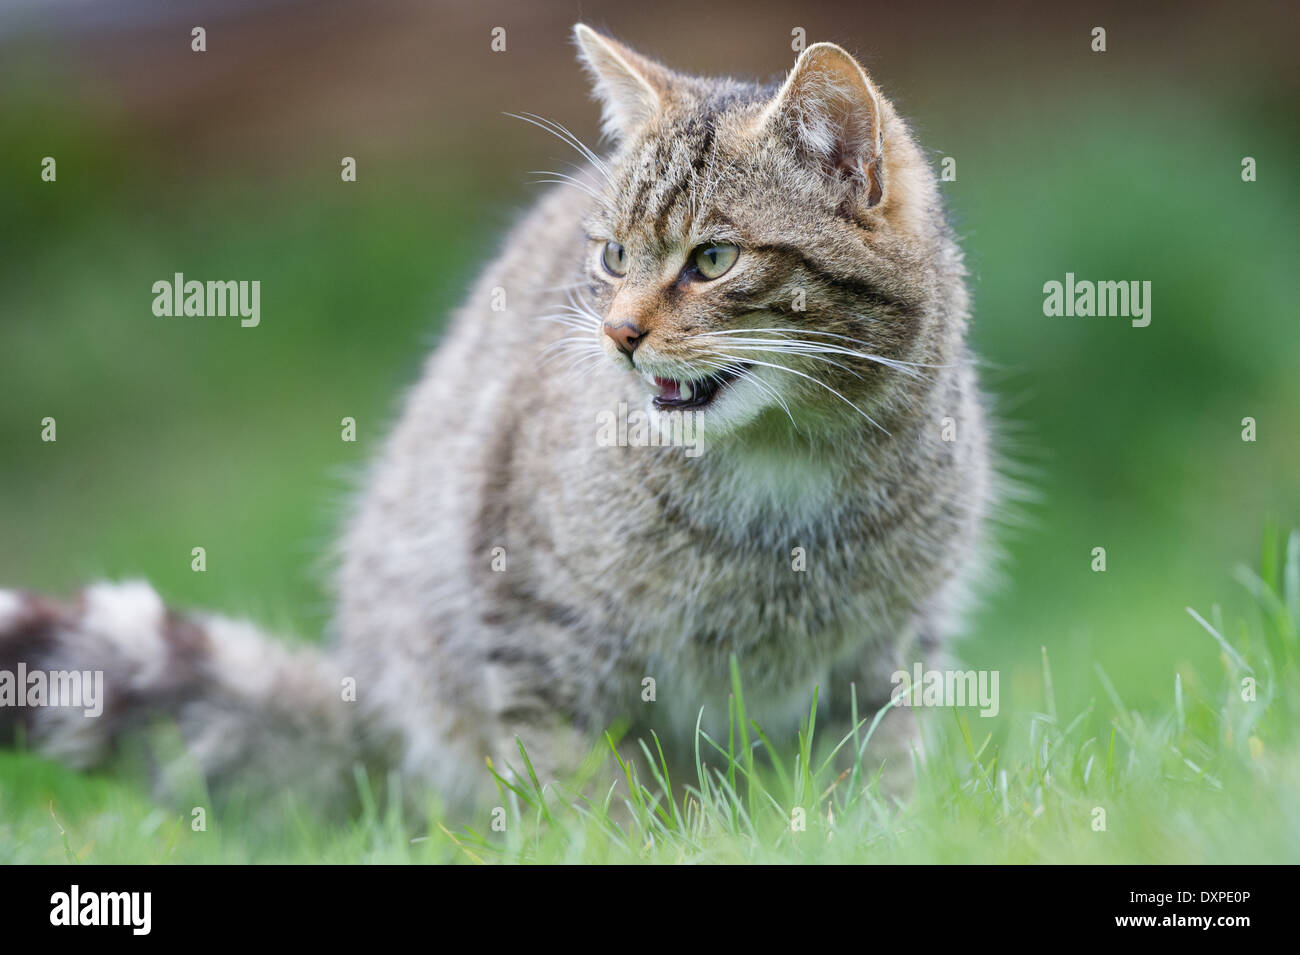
x=772, y=261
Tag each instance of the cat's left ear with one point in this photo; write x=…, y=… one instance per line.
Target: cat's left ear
x=631, y=88
x=832, y=114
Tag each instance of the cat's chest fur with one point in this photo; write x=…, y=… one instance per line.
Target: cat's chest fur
x=781, y=556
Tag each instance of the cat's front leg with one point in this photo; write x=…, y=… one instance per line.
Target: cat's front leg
x=895, y=742
x=541, y=719
x=545, y=746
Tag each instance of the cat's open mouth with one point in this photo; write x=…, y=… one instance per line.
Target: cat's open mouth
x=679, y=394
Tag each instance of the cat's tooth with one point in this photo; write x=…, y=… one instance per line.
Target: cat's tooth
x=685, y=390
x=650, y=379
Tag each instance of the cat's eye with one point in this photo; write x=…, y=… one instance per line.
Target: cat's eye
x=614, y=258
x=714, y=261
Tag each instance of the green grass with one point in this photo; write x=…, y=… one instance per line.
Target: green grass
x=1209, y=777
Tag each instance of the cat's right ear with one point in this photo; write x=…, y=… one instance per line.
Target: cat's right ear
x=631, y=88
x=829, y=110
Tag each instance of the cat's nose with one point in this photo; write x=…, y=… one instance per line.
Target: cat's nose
x=625, y=335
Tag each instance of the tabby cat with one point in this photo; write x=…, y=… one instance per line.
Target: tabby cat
x=769, y=264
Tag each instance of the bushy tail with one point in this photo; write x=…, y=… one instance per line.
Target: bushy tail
x=255, y=715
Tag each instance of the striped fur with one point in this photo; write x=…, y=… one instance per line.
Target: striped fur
x=632, y=563
x=844, y=318
x=253, y=714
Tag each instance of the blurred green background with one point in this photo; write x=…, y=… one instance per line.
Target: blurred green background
x=175, y=433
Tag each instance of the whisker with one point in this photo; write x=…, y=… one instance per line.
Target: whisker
x=559, y=288
x=575, y=360
x=740, y=372
x=565, y=346
x=584, y=364
x=568, y=321
x=563, y=134
x=822, y=384
x=816, y=356
x=813, y=349
x=569, y=343
x=571, y=311
x=758, y=382
x=563, y=180
x=811, y=331
x=577, y=303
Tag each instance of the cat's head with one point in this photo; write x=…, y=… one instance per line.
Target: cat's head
x=761, y=251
